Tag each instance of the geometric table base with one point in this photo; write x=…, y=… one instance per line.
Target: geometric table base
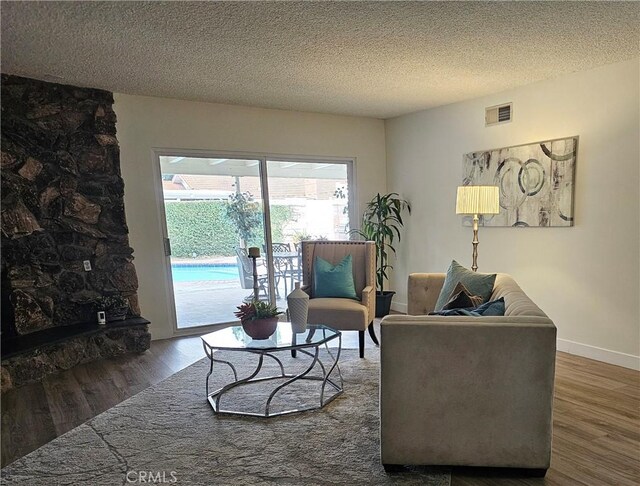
x=330, y=385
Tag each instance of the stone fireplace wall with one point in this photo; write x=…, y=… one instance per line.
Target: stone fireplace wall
x=62, y=205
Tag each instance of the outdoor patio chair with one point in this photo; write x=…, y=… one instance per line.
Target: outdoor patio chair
x=284, y=266
x=341, y=313
x=280, y=247
x=245, y=272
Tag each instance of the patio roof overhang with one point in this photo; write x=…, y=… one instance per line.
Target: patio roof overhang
x=248, y=167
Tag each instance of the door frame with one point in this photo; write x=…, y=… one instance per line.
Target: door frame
x=262, y=157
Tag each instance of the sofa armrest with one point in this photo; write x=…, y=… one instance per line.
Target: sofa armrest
x=467, y=391
x=369, y=300
x=423, y=290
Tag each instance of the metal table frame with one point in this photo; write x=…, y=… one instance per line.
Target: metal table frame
x=307, y=347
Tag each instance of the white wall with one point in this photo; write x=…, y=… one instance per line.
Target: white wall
x=145, y=123
x=586, y=277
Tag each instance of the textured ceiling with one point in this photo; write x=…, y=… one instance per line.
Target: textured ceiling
x=379, y=59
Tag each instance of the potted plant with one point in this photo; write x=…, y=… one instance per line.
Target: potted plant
x=381, y=223
x=259, y=319
x=114, y=306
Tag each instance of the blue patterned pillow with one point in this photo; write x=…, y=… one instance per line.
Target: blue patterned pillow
x=462, y=299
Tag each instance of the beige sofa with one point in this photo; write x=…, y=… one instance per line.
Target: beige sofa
x=467, y=391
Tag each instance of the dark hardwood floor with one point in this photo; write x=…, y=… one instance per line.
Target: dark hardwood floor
x=596, y=416
x=35, y=414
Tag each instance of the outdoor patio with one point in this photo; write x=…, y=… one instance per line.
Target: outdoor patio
x=221, y=302
x=205, y=302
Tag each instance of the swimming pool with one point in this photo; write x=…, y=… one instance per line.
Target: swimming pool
x=197, y=273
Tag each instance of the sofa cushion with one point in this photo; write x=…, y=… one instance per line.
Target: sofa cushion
x=461, y=298
x=333, y=281
x=477, y=283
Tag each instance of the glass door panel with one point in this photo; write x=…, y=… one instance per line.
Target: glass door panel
x=214, y=212
x=307, y=200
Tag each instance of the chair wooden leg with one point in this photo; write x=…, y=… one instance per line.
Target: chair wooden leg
x=372, y=333
x=361, y=343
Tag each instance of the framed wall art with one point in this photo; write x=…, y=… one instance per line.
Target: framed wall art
x=536, y=182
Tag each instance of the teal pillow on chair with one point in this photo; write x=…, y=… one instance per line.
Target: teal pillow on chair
x=334, y=281
x=477, y=283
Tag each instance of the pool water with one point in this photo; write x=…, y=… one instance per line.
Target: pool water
x=198, y=273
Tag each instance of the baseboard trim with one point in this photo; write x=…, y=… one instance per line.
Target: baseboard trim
x=599, y=354
x=585, y=350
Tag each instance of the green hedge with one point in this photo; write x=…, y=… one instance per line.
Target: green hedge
x=202, y=227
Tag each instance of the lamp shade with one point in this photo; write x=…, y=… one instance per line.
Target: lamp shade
x=478, y=200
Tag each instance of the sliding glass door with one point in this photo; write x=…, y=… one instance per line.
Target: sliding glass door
x=214, y=212
x=312, y=197
x=216, y=208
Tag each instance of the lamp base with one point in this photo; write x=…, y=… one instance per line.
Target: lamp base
x=474, y=265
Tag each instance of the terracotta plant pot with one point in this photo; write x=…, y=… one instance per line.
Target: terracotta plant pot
x=260, y=328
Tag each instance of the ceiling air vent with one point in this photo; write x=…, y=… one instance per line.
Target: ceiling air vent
x=498, y=114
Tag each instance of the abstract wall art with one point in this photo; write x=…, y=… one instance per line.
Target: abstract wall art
x=536, y=182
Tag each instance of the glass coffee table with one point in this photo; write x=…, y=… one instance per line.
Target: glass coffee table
x=309, y=343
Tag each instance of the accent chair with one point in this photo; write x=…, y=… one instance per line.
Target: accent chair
x=245, y=272
x=341, y=313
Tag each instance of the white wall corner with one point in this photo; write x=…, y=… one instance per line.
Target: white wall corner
x=424, y=154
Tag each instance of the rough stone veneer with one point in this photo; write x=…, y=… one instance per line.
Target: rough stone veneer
x=62, y=204
x=36, y=364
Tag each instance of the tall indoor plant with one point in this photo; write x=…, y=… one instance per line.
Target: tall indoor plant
x=381, y=223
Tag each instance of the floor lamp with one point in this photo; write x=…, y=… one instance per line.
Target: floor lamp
x=477, y=200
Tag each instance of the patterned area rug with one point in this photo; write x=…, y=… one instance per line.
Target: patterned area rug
x=169, y=434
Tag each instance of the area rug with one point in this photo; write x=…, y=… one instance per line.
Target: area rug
x=168, y=433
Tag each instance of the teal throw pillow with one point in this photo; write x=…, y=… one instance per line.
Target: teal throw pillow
x=333, y=281
x=476, y=283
